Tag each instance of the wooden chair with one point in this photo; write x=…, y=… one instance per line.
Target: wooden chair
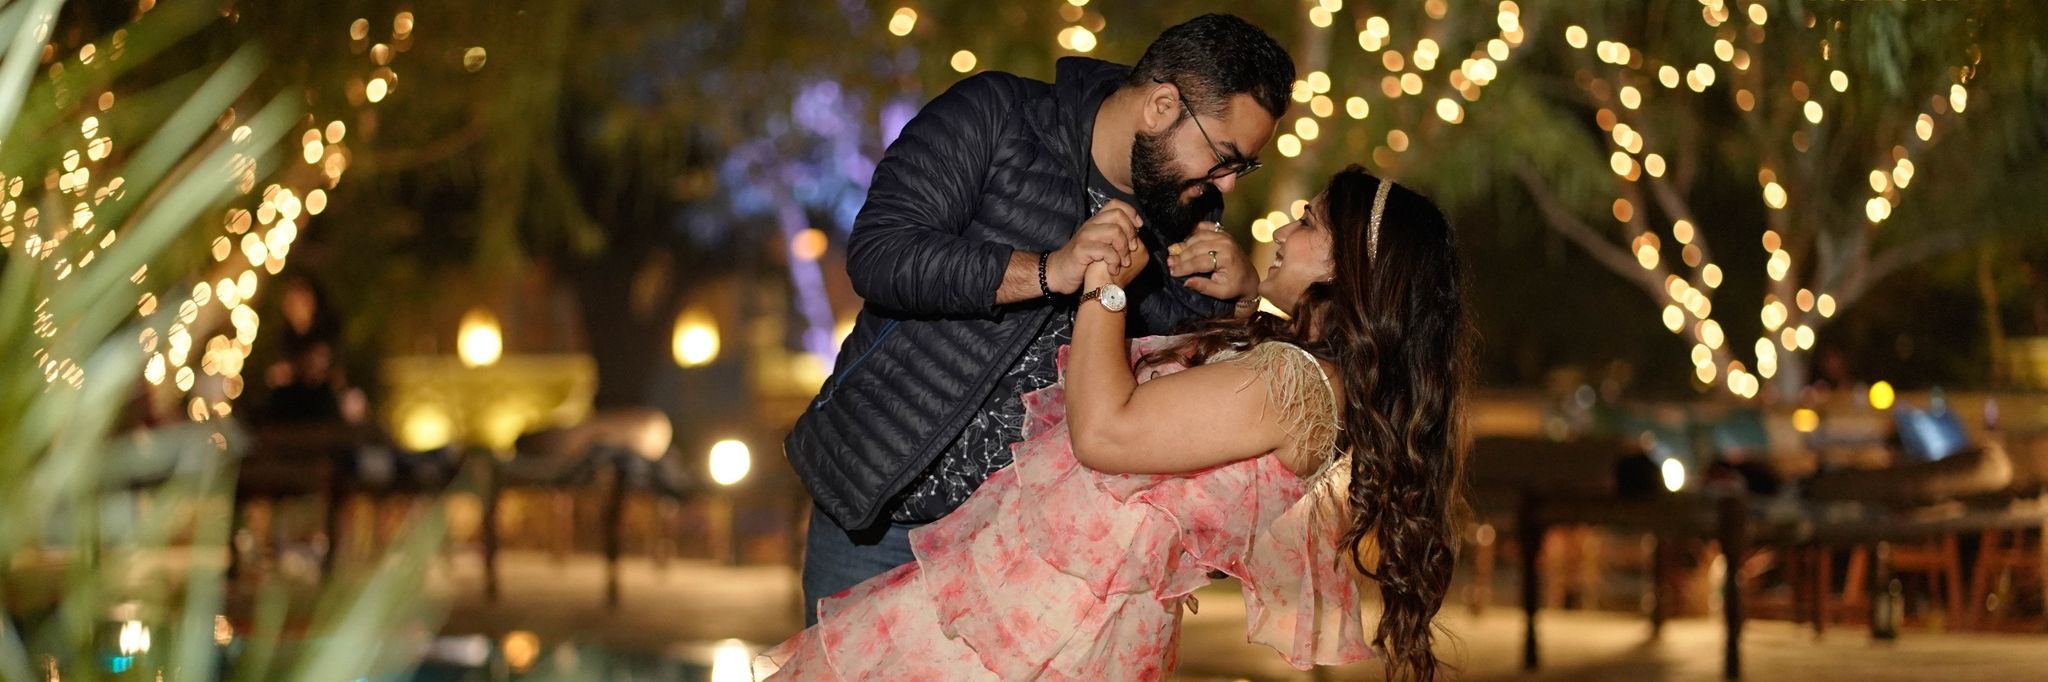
x=2018, y=552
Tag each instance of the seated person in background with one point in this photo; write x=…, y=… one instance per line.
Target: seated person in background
x=306, y=383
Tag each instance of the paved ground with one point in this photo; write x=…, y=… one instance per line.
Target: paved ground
x=682, y=610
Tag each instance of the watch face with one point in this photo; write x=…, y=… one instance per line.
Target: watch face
x=1113, y=298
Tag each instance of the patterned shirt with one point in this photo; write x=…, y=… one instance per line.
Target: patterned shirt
x=983, y=447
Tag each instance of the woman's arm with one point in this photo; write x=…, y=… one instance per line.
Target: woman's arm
x=1192, y=420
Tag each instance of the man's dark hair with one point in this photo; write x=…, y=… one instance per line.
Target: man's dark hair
x=1215, y=57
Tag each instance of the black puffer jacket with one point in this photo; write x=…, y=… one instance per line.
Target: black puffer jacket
x=997, y=163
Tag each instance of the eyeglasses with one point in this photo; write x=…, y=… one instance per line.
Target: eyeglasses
x=1224, y=166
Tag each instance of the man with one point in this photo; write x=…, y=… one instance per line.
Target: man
x=981, y=220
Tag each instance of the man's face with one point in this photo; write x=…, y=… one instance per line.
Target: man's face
x=1181, y=167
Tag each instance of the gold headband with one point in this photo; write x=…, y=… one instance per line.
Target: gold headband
x=1379, y=205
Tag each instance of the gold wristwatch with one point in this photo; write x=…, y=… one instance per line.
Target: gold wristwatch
x=1111, y=296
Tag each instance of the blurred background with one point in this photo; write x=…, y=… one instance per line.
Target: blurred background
x=457, y=340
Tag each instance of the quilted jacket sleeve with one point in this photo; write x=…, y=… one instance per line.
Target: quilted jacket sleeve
x=907, y=251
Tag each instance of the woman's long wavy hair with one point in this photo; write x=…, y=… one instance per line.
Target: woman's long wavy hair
x=1395, y=326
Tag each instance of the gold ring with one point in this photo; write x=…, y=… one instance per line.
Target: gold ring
x=1213, y=262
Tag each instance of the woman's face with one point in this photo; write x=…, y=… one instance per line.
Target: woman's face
x=1301, y=257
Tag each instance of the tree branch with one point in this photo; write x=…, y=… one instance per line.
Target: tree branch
x=1569, y=226
x=1859, y=280
x=441, y=149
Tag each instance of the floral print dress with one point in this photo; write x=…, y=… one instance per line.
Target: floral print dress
x=1055, y=571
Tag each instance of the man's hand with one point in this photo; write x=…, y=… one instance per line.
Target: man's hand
x=1099, y=273
x=1210, y=251
x=1110, y=237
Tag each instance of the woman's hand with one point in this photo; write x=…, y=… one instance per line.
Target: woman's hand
x=1099, y=272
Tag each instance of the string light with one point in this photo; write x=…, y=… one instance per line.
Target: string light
x=1450, y=111
x=902, y=22
x=1628, y=157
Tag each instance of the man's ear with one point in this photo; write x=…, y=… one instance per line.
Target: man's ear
x=1162, y=108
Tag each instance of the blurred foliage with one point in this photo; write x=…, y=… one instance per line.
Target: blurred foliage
x=608, y=136
x=116, y=521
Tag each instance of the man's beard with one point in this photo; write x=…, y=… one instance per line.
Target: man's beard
x=1158, y=190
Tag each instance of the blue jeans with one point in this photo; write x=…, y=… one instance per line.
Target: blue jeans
x=836, y=559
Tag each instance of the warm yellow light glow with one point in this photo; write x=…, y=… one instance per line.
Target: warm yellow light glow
x=521, y=649
x=426, y=427
x=808, y=245
x=903, y=21
x=1774, y=194
x=1370, y=42
x=1710, y=334
x=1290, y=146
x=1779, y=265
x=1805, y=420
x=730, y=461
x=963, y=61
x=1646, y=256
x=1674, y=475
x=1774, y=315
x=695, y=341
x=134, y=638
x=1449, y=110
x=1674, y=319
x=730, y=660
x=1320, y=17
x=1357, y=107
x=1575, y=36
x=1882, y=396
x=479, y=340
x=1322, y=106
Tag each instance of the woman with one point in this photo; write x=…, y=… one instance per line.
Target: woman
x=1285, y=453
